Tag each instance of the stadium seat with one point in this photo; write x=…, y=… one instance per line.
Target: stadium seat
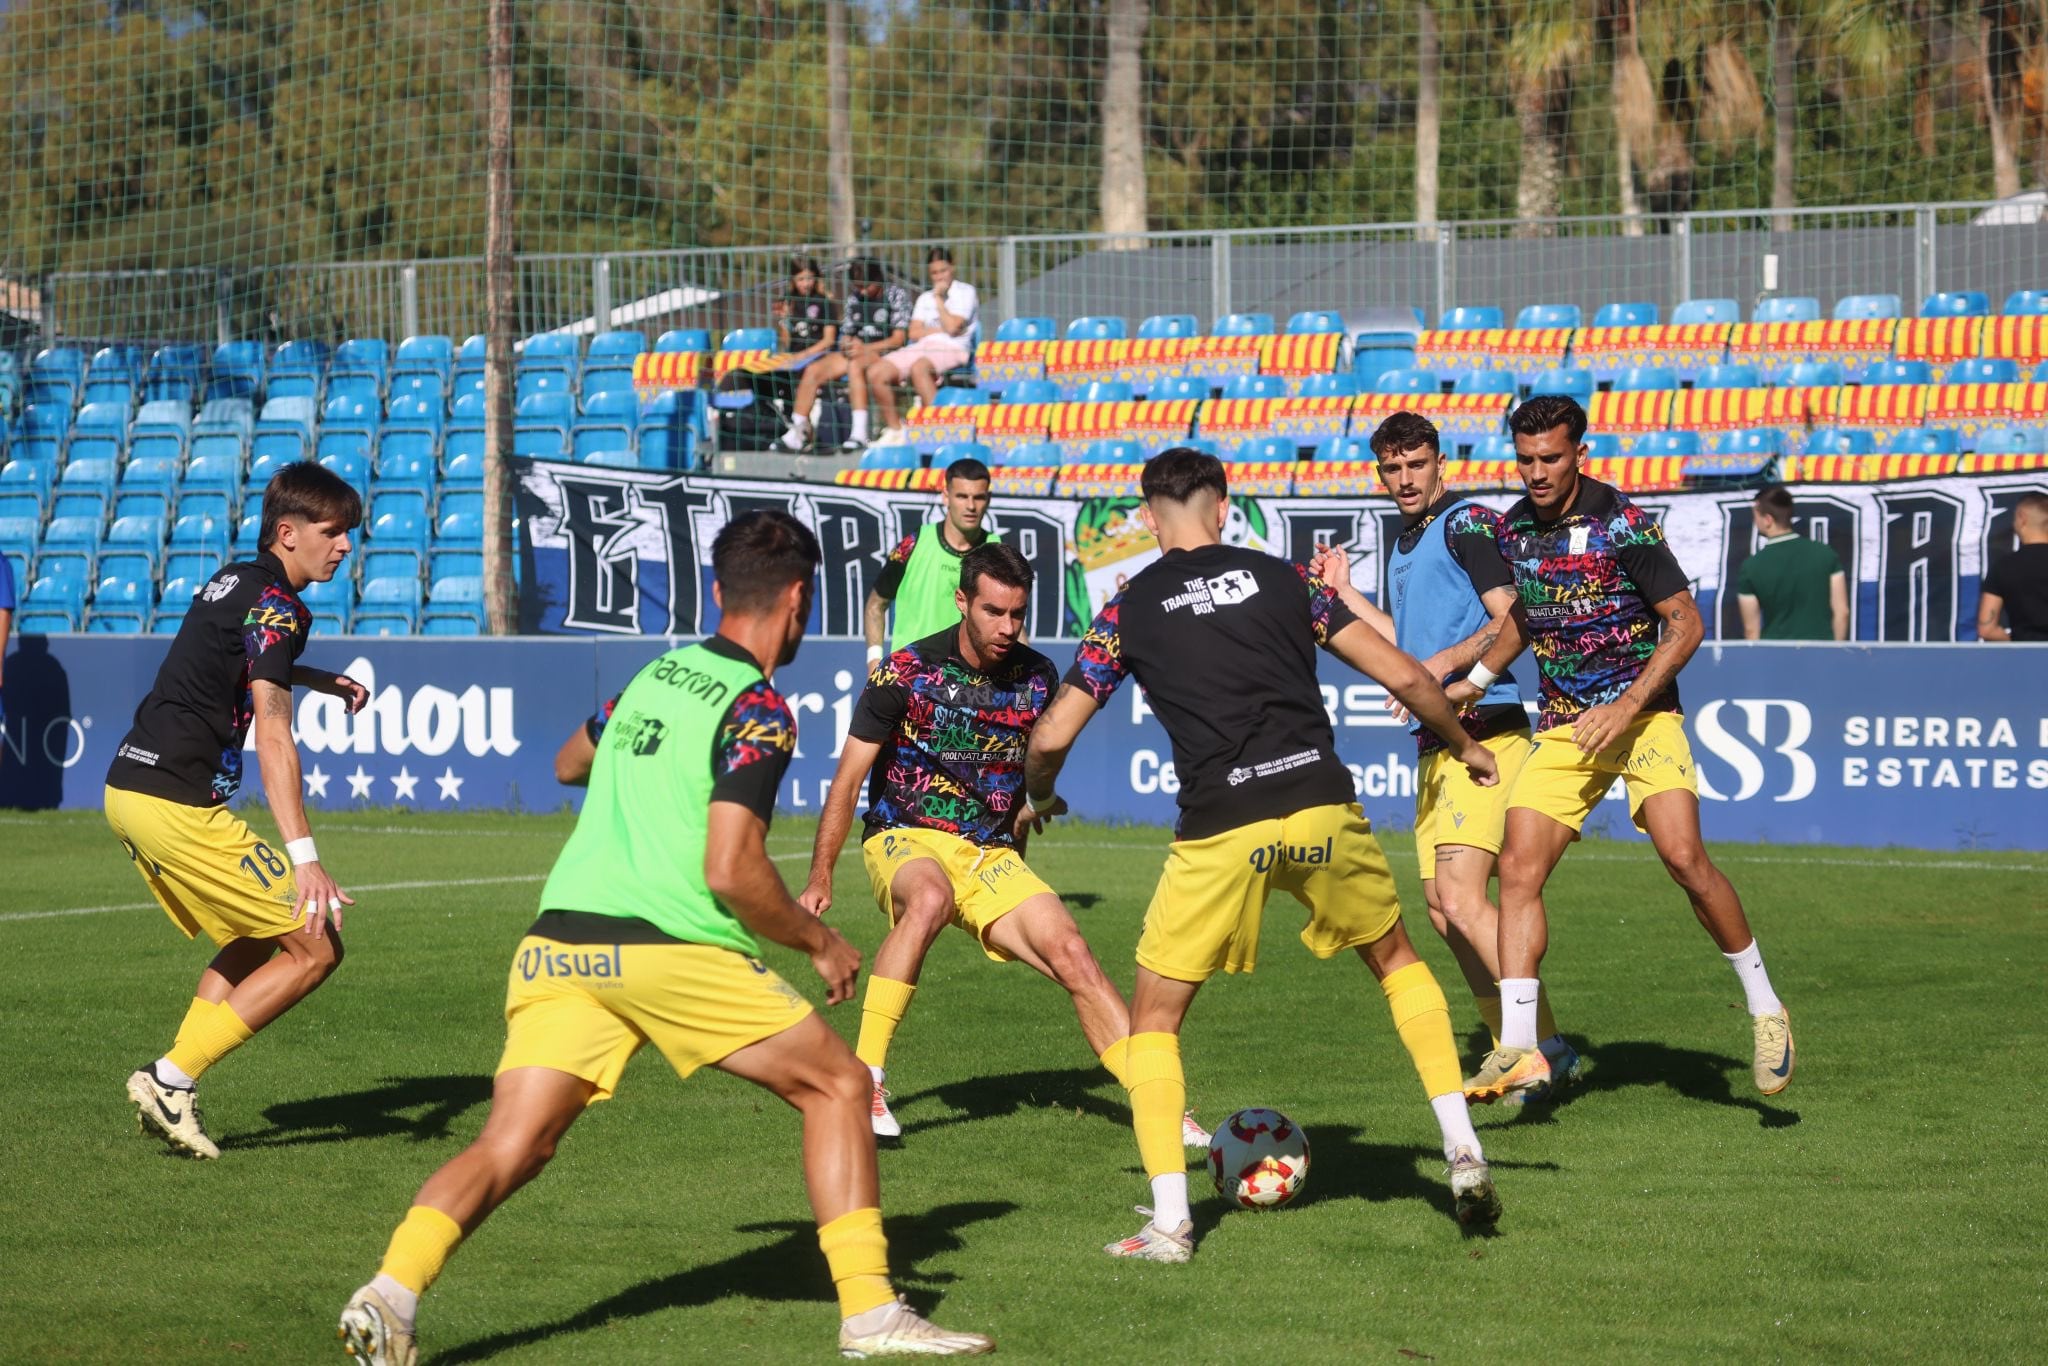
x=53, y=391
x=1797, y=308
x=1207, y=444
x=370, y=355
x=1330, y=386
x=959, y=398
x=87, y=474
x=425, y=386
x=1255, y=386
x=226, y=417
x=1987, y=371
x=530, y=383
x=683, y=340
x=437, y=621
x=431, y=354
x=116, y=362
x=214, y=471
x=334, y=592
x=1920, y=441
x=112, y=392
x=1696, y=311
x=1897, y=372
x=1993, y=441
x=1484, y=382
x=94, y=448
x=201, y=526
x=247, y=531
x=271, y=453
x=1626, y=315
x=1471, y=319
x=1034, y=391
x=20, y=534
x=1314, y=322
x=1262, y=450
x=1027, y=330
x=43, y=419
x=462, y=460
x=117, y=621
x=415, y=410
x=385, y=620
x=749, y=339
x=1840, y=441
x=617, y=344
x=71, y=532
x=453, y=564
x=155, y=474
x=539, y=441
x=1549, y=315
x=1177, y=387
x=1854, y=306
x=1033, y=455
x=29, y=476
x=1748, y=441
x=1638, y=377
x=1814, y=374
x=102, y=419
x=119, y=586
x=900, y=457
x=1105, y=391
x=1245, y=325
x=399, y=521
x=614, y=403
x=456, y=590
x=279, y=413
x=404, y=466
x=392, y=562
x=2026, y=303
x=468, y=407
x=591, y=438
x=1727, y=377
x=1667, y=443
x=1965, y=303
x=1368, y=363
x=1407, y=381
x=1161, y=325
x=354, y=466
x=1113, y=451
x=169, y=617
x=237, y=370
x=1096, y=328
x=555, y=348
x=1494, y=446
x=291, y=384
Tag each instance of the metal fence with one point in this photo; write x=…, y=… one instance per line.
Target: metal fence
x=1910, y=250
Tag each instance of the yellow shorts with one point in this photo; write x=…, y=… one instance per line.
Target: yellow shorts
x=1651, y=756
x=585, y=1009
x=1452, y=809
x=206, y=867
x=1205, y=913
x=988, y=883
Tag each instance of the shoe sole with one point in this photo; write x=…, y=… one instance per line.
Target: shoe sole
x=149, y=1126
x=1526, y=1091
x=358, y=1336
x=1479, y=1206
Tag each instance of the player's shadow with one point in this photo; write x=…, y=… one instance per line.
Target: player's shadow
x=787, y=1269
x=979, y=1098
x=1692, y=1072
x=419, y=1108
x=1343, y=1165
x=1081, y=901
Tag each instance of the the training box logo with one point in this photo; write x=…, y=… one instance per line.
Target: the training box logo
x=1206, y=595
x=639, y=736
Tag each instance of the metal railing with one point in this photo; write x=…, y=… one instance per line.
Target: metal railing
x=1911, y=250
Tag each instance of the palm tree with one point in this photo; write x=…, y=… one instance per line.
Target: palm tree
x=1999, y=37
x=1549, y=39
x=1865, y=46
x=1123, y=123
x=1429, y=115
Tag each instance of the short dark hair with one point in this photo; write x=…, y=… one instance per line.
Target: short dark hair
x=1541, y=413
x=938, y=254
x=1775, y=499
x=759, y=554
x=314, y=492
x=994, y=560
x=2034, y=503
x=866, y=270
x=1405, y=432
x=969, y=469
x=1180, y=472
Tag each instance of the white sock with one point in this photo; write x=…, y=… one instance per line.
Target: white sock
x=799, y=424
x=404, y=1302
x=870, y=1321
x=1170, y=1201
x=170, y=1074
x=1518, y=1012
x=860, y=424
x=1455, y=1119
x=816, y=408
x=878, y=1073
x=1756, y=983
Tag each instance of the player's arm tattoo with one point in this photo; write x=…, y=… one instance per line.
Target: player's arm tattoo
x=277, y=704
x=1681, y=635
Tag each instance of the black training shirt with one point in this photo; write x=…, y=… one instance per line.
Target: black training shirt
x=2021, y=579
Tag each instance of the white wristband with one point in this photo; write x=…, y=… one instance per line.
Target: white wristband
x=1481, y=677
x=1041, y=803
x=301, y=851
x=874, y=655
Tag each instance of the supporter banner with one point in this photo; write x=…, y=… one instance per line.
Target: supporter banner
x=1937, y=747
x=603, y=547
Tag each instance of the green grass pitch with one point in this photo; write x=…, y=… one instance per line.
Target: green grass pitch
x=1887, y=1206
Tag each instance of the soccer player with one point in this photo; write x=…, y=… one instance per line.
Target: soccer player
x=1612, y=621
x=234, y=663
x=1222, y=640
x=922, y=574
x=1448, y=591
x=940, y=734
x=648, y=934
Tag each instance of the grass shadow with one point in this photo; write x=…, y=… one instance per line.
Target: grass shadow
x=991, y=1097
x=1692, y=1072
x=1344, y=1165
x=419, y=1108
x=788, y=1269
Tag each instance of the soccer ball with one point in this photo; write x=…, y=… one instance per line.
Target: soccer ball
x=1259, y=1159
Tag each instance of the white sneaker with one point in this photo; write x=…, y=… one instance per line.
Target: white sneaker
x=798, y=439
x=1155, y=1244
x=1472, y=1188
x=1191, y=1133
x=370, y=1332
x=884, y=1123
x=906, y=1333
x=171, y=1113
x=892, y=436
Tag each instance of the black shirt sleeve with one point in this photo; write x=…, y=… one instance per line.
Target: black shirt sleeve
x=1473, y=535
x=885, y=699
x=754, y=747
x=272, y=636
x=1646, y=559
x=891, y=577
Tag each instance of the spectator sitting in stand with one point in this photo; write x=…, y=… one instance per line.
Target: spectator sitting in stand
x=876, y=321
x=806, y=325
x=941, y=333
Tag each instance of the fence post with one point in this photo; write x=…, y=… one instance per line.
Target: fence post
x=1446, y=267
x=1006, y=280
x=223, y=322
x=1681, y=258
x=1219, y=278
x=409, y=301
x=1923, y=255
x=601, y=295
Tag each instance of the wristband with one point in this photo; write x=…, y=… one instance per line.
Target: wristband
x=301, y=851
x=1481, y=677
x=874, y=655
x=1041, y=803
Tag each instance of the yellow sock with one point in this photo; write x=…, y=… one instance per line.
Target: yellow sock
x=1423, y=1019
x=1489, y=1011
x=194, y=1013
x=420, y=1247
x=881, y=1010
x=1546, y=1023
x=212, y=1037
x=858, y=1255
x=1116, y=1058
x=1159, y=1096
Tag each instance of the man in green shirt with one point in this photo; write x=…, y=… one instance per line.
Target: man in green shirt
x=1791, y=588
x=647, y=934
x=922, y=573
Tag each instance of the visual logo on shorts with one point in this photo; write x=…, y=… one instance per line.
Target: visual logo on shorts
x=1268, y=857
x=558, y=960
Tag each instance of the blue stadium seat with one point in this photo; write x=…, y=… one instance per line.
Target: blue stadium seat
x=119, y=393
x=392, y=562
x=93, y=448
x=962, y=450
x=335, y=619
x=1330, y=386
x=1161, y=325
x=1262, y=450
x=595, y=437
x=21, y=535
x=1696, y=311
x=1315, y=322
x=226, y=417
x=1034, y=391
x=454, y=564
x=1853, y=306
x=1113, y=451
x=387, y=620
x=462, y=459
x=291, y=384
x=1245, y=325
x=468, y=407
x=458, y=621
x=1626, y=315
x=1207, y=444
x=1727, y=377
x=415, y=410
x=143, y=502
x=1407, y=381
x=432, y=354
x=201, y=526
x=371, y=355
x=1255, y=386
x=210, y=471
x=534, y=383
x=142, y=534
x=1840, y=441
x=953, y=397
x=1667, y=443
x=1033, y=455
x=562, y=349
x=116, y=362
x=888, y=458
x=53, y=391
x=1965, y=303
x=354, y=466
x=1175, y=387
x=626, y=344
x=296, y=413
x=1368, y=363
x=1484, y=382
x=1797, y=308
x=237, y=371
x=247, y=532
x=157, y=446
x=344, y=441
x=150, y=474
x=1549, y=315
x=427, y=386
x=2026, y=303
x=1105, y=391
x=120, y=586
x=71, y=532
x=1096, y=327
x=1748, y=441
x=618, y=403
x=600, y=453
x=168, y=617
x=1987, y=371
x=1494, y=446
x=63, y=361
x=1477, y=319
x=85, y=474
x=1992, y=441
x=749, y=339
x=43, y=419
x=117, y=621
x=271, y=453
x=558, y=408
x=170, y=389
x=1638, y=377
x=401, y=467
x=102, y=419
x=1920, y=441
x=539, y=441
x=1816, y=374
x=682, y=341
x=1027, y=329
x=1897, y=372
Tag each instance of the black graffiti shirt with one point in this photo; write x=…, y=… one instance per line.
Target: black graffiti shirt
x=1223, y=640
x=952, y=737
